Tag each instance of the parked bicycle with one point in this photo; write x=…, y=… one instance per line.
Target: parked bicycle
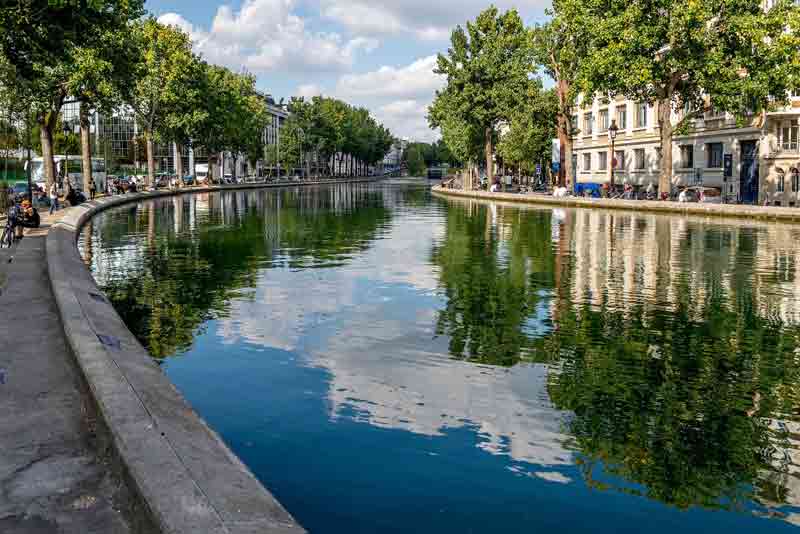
x=12, y=219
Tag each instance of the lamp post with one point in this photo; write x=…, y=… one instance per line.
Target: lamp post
x=612, y=136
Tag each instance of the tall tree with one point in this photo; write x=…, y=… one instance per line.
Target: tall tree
x=560, y=46
x=487, y=69
x=101, y=79
x=166, y=68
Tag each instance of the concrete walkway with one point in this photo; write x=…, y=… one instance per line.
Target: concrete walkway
x=51, y=479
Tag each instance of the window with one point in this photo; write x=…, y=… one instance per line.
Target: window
x=641, y=115
x=622, y=118
x=638, y=156
x=573, y=123
x=687, y=156
x=795, y=182
x=602, y=160
x=603, y=120
x=714, y=151
x=619, y=155
x=789, y=136
x=781, y=182
x=587, y=162
x=795, y=93
x=588, y=123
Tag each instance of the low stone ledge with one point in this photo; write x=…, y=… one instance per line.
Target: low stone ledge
x=177, y=468
x=767, y=213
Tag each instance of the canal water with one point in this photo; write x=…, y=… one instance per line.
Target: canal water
x=388, y=361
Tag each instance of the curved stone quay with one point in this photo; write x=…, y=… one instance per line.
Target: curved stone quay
x=764, y=213
x=95, y=437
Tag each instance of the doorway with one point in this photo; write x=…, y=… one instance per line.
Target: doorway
x=748, y=175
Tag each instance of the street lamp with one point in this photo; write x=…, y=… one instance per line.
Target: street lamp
x=612, y=135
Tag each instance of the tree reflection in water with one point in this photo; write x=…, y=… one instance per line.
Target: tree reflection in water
x=682, y=381
x=205, y=250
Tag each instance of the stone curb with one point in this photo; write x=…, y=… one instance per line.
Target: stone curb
x=764, y=213
x=179, y=470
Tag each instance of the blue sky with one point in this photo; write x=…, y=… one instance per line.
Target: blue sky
x=375, y=53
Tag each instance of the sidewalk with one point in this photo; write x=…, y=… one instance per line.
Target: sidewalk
x=51, y=480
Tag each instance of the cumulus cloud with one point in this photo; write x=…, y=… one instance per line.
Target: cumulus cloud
x=422, y=18
x=266, y=35
x=414, y=80
x=407, y=118
x=309, y=90
x=398, y=96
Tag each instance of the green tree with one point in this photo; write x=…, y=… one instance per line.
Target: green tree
x=688, y=56
x=560, y=47
x=529, y=138
x=38, y=48
x=101, y=79
x=487, y=69
x=164, y=74
x=415, y=160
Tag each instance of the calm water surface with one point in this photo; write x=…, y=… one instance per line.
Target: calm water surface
x=388, y=361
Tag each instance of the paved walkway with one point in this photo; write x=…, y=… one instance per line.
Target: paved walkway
x=51, y=480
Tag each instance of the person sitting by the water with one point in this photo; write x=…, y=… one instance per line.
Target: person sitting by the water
x=74, y=197
x=683, y=196
x=132, y=186
x=495, y=187
x=29, y=216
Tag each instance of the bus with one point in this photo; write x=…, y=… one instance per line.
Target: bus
x=75, y=168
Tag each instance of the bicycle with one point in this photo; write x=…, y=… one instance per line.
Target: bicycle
x=7, y=239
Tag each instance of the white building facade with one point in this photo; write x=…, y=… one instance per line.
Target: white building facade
x=761, y=153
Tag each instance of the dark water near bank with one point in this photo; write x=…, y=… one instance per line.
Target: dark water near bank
x=387, y=361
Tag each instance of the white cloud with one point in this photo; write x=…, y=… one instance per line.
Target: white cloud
x=407, y=118
x=414, y=80
x=266, y=36
x=398, y=96
x=309, y=90
x=425, y=19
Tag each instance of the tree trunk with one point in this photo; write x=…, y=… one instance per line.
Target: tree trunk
x=665, y=131
x=179, y=163
x=86, y=147
x=489, y=153
x=212, y=164
x=151, y=159
x=565, y=134
x=46, y=135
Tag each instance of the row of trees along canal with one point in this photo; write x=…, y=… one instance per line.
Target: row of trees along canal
x=106, y=55
x=684, y=56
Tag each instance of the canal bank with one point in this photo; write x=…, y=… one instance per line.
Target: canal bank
x=67, y=360
x=763, y=213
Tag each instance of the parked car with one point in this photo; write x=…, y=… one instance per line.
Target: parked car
x=20, y=189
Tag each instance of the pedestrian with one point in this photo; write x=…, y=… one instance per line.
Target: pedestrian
x=92, y=189
x=53, y=197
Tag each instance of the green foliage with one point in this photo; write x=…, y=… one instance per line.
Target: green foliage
x=529, y=138
x=415, y=160
x=487, y=69
x=329, y=128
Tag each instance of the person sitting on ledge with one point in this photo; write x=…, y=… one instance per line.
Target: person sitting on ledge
x=30, y=216
x=495, y=187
